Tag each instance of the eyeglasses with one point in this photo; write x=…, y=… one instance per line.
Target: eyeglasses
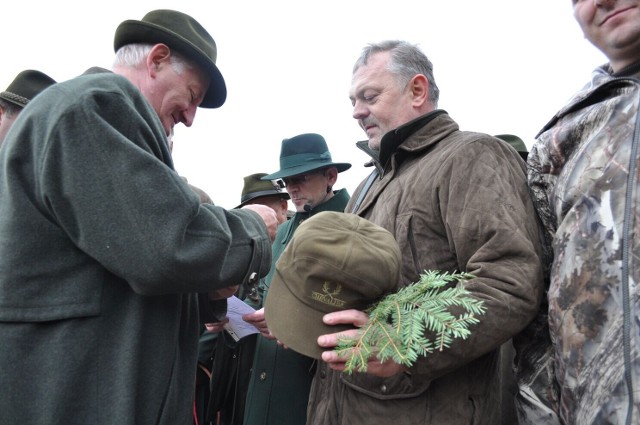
x=300, y=178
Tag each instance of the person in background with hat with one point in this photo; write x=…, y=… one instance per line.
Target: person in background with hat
x=258, y=191
x=280, y=378
x=455, y=201
x=516, y=143
x=22, y=89
x=105, y=247
x=227, y=360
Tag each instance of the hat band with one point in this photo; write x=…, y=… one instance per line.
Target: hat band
x=14, y=97
x=249, y=196
x=299, y=159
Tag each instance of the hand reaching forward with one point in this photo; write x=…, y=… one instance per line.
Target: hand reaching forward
x=216, y=327
x=257, y=319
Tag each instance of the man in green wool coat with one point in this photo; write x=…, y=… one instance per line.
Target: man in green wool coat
x=280, y=379
x=105, y=247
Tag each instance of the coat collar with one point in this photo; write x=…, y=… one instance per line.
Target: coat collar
x=429, y=129
x=338, y=202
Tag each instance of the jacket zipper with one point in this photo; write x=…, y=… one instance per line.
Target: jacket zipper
x=626, y=259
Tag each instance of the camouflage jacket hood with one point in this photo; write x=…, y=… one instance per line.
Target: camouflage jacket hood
x=584, y=181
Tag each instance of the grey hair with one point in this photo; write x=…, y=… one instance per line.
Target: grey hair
x=10, y=109
x=133, y=54
x=407, y=60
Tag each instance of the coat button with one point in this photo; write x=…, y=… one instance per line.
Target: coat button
x=383, y=388
x=263, y=376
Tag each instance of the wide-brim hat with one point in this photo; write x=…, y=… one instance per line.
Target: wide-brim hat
x=302, y=154
x=516, y=143
x=26, y=86
x=184, y=34
x=335, y=261
x=254, y=187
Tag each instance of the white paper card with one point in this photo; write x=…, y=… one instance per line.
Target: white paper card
x=237, y=327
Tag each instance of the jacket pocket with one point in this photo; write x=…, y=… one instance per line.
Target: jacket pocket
x=50, y=298
x=399, y=386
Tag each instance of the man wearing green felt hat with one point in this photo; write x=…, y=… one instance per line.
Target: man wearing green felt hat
x=265, y=192
x=109, y=258
x=226, y=360
x=280, y=380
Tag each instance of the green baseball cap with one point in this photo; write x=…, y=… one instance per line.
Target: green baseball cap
x=335, y=261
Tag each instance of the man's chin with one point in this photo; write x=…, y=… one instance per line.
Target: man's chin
x=374, y=144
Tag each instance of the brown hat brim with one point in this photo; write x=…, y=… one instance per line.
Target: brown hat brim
x=133, y=31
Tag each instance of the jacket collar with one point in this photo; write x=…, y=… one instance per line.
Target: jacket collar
x=396, y=140
x=632, y=70
x=601, y=84
x=333, y=204
x=338, y=202
x=392, y=140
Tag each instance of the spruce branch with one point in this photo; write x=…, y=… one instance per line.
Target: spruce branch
x=400, y=322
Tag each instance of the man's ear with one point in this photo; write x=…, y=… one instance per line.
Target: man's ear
x=158, y=55
x=332, y=175
x=419, y=86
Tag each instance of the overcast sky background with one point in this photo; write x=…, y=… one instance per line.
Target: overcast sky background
x=503, y=66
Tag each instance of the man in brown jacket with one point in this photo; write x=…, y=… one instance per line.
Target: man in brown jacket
x=455, y=201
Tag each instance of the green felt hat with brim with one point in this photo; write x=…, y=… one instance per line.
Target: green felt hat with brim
x=184, y=34
x=26, y=86
x=515, y=143
x=254, y=187
x=302, y=154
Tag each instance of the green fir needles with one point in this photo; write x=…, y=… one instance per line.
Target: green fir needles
x=399, y=324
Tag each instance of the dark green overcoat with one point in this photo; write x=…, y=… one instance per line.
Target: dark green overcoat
x=103, y=247
x=281, y=378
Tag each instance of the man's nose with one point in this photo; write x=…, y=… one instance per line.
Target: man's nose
x=359, y=110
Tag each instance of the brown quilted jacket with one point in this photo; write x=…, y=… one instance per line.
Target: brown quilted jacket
x=455, y=201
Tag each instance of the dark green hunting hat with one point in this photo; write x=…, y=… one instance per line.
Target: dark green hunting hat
x=184, y=34
x=516, y=143
x=302, y=154
x=25, y=86
x=335, y=261
x=254, y=187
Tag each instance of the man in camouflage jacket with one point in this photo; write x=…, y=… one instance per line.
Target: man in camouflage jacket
x=584, y=179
